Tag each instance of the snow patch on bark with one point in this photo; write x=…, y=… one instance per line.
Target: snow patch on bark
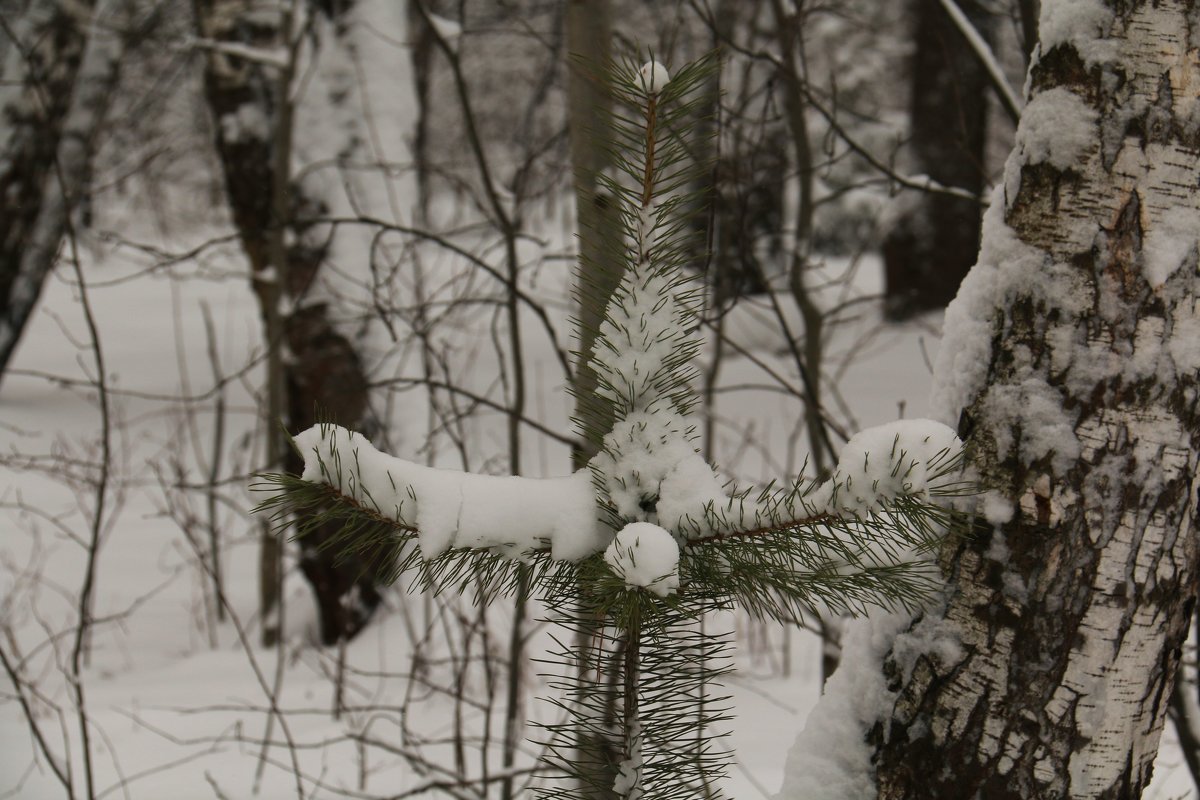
x=831, y=759
x=1009, y=269
x=1057, y=128
x=933, y=637
x=1184, y=344
x=1005, y=262
x=996, y=508
x=1170, y=243
x=1083, y=24
x=249, y=122
x=1028, y=417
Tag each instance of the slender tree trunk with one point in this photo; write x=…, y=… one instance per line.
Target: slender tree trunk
x=1072, y=355
x=422, y=52
x=589, y=31
x=48, y=131
x=931, y=248
x=600, y=269
x=809, y=360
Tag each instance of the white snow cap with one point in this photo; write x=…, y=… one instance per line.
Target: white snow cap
x=448, y=29
x=646, y=556
x=1084, y=24
x=654, y=77
x=887, y=461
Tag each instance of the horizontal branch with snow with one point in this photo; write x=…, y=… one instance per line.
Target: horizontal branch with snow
x=854, y=541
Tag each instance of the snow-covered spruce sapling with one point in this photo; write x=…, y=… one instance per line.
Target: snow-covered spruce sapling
x=648, y=538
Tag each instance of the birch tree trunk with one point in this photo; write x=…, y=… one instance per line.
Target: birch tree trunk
x=1072, y=353
x=58, y=79
x=249, y=85
x=1070, y=362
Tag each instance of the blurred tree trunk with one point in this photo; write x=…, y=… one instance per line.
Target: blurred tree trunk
x=599, y=272
x=747, y=185
x=933, y=245
x=1028, y=11
x=422, y=54
x=1072, y=355
x=251, y=61
x=588, y=36
x=59, y=67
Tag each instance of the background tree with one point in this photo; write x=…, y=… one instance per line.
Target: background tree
x=62, y=63
x=253, y=60
x=1070, y=366
x=930, y=248
x=589, y=49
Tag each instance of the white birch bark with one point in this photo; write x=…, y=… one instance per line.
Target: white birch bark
x=64, y=180
x=310, y=140
x=1070, y=362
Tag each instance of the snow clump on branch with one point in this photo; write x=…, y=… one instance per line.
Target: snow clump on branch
x=651, y=473
x=880, y=464
x=647, y=556
x=450, y=508
x=654, y=77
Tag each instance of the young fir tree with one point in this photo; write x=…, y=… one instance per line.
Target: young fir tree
x=647, y=538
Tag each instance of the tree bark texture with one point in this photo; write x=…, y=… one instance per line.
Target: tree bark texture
x=1072, y=354
x=324, y=380
x=44, y=119
x=933, y=245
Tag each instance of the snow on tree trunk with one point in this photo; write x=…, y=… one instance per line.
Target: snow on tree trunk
x=325, y=376
x=1070, y=363
x=53, y=99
